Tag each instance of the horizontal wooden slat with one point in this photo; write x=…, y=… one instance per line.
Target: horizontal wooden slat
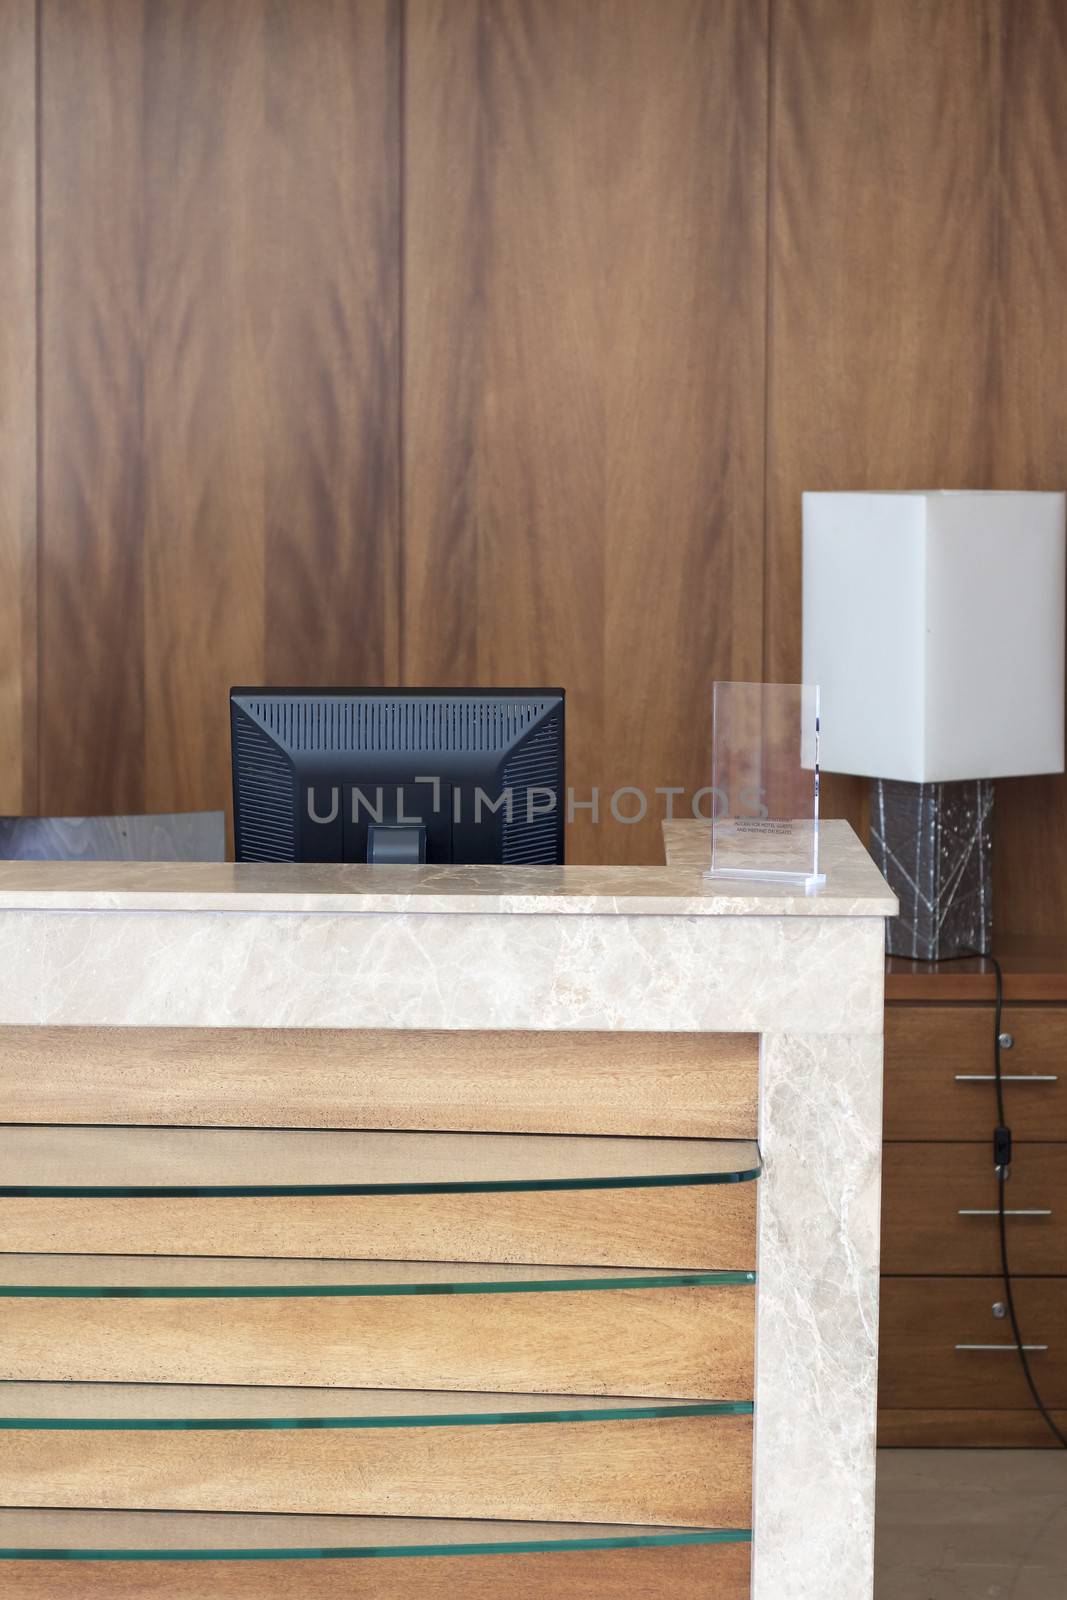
x=686, y=1573
x=629, y=1083
x=967, y=1430
x=206, y=1158
x=925, y=1186
x=923, y=1319
x=123, y=1401
x=242, y=1272
x=685, y=1342
x=689, y=1470
x=694, y=1227
x=177, y=1531
x=697, y=1225
x=927, y=1045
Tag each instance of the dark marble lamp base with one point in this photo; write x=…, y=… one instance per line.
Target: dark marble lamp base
x=933, y=842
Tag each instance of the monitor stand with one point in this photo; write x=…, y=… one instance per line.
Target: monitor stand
x=396, y=844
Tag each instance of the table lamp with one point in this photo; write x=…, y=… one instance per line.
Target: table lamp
x=934, y=627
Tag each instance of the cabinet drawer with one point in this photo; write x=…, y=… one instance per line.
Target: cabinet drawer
x=924, y=1319
x=939, y=1064
x=925, y=1187
x=365, y=1453
x=398, y=1325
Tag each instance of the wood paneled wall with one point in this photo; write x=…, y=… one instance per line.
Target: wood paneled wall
x=219, y=377
x=494, y=340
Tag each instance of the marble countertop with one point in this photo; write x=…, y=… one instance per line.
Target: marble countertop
x=854, y=887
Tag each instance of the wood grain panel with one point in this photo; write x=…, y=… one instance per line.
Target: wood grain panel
x=922, y=1321
x=668, y=1574
x=272, y=425
x=926, y=1185
x=583, y=370
x=18, y=406
x=191, y=1160
x=883, y=247
x=917, y=334
x=605, y=1083
x=679, y=1343
x=683, y=1470
x=220, y=240
x=686, y=1224
x=93, y=493
x=1027, y=439
x=684, y=109
x=927, y=1045
x=1034, y=968
x=698, y=1228
x=966, y=1430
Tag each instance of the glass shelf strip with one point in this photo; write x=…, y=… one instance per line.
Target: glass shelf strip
x=588, y=1411
x=177, y=1536
x=504, y=1280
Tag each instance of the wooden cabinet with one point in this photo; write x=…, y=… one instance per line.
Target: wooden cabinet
x=941, y=1209
x=949, y=1374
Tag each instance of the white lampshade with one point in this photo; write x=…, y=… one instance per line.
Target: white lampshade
x=934, y=627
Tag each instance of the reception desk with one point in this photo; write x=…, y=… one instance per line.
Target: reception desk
x=412, y=1232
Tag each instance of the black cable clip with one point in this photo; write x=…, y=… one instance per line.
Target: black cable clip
x=1002, y=1152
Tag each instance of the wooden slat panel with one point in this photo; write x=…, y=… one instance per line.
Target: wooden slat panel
x=18, y=407
x=220, y=241
x=885, y=124
x=683, y=1343
x=272, y=237
x=923, y=1319
x=925, y=1185
x=926, y=1046
x=1026, y=377
x=692, y=1227
x=681, y=1470
x=226, y=1272
x=220, y=1530
x=93, y=492
x=967, y=1430
x=671, y=1574
x=583, y=445
x=632, y=1083
x=954, y=111
x=191, y=1159
x=683, y=116
x=61, y=1402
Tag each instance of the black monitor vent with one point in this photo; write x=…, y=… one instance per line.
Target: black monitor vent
x=535, y=765
x=422, y=725
x=266, y=797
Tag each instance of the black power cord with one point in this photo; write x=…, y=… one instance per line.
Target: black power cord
x=1002, y=1154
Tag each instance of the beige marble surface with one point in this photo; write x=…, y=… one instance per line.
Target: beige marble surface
x=854, y=887
x=819, y=1202
x=151, y=968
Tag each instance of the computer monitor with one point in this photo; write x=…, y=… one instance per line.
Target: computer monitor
x=398, y=775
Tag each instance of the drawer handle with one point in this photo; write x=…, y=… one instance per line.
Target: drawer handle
x=1008, y=1077
x=1013, y=1347
x=1023, y=1211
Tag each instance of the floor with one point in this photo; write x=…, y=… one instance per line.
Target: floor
x=971, y=1525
